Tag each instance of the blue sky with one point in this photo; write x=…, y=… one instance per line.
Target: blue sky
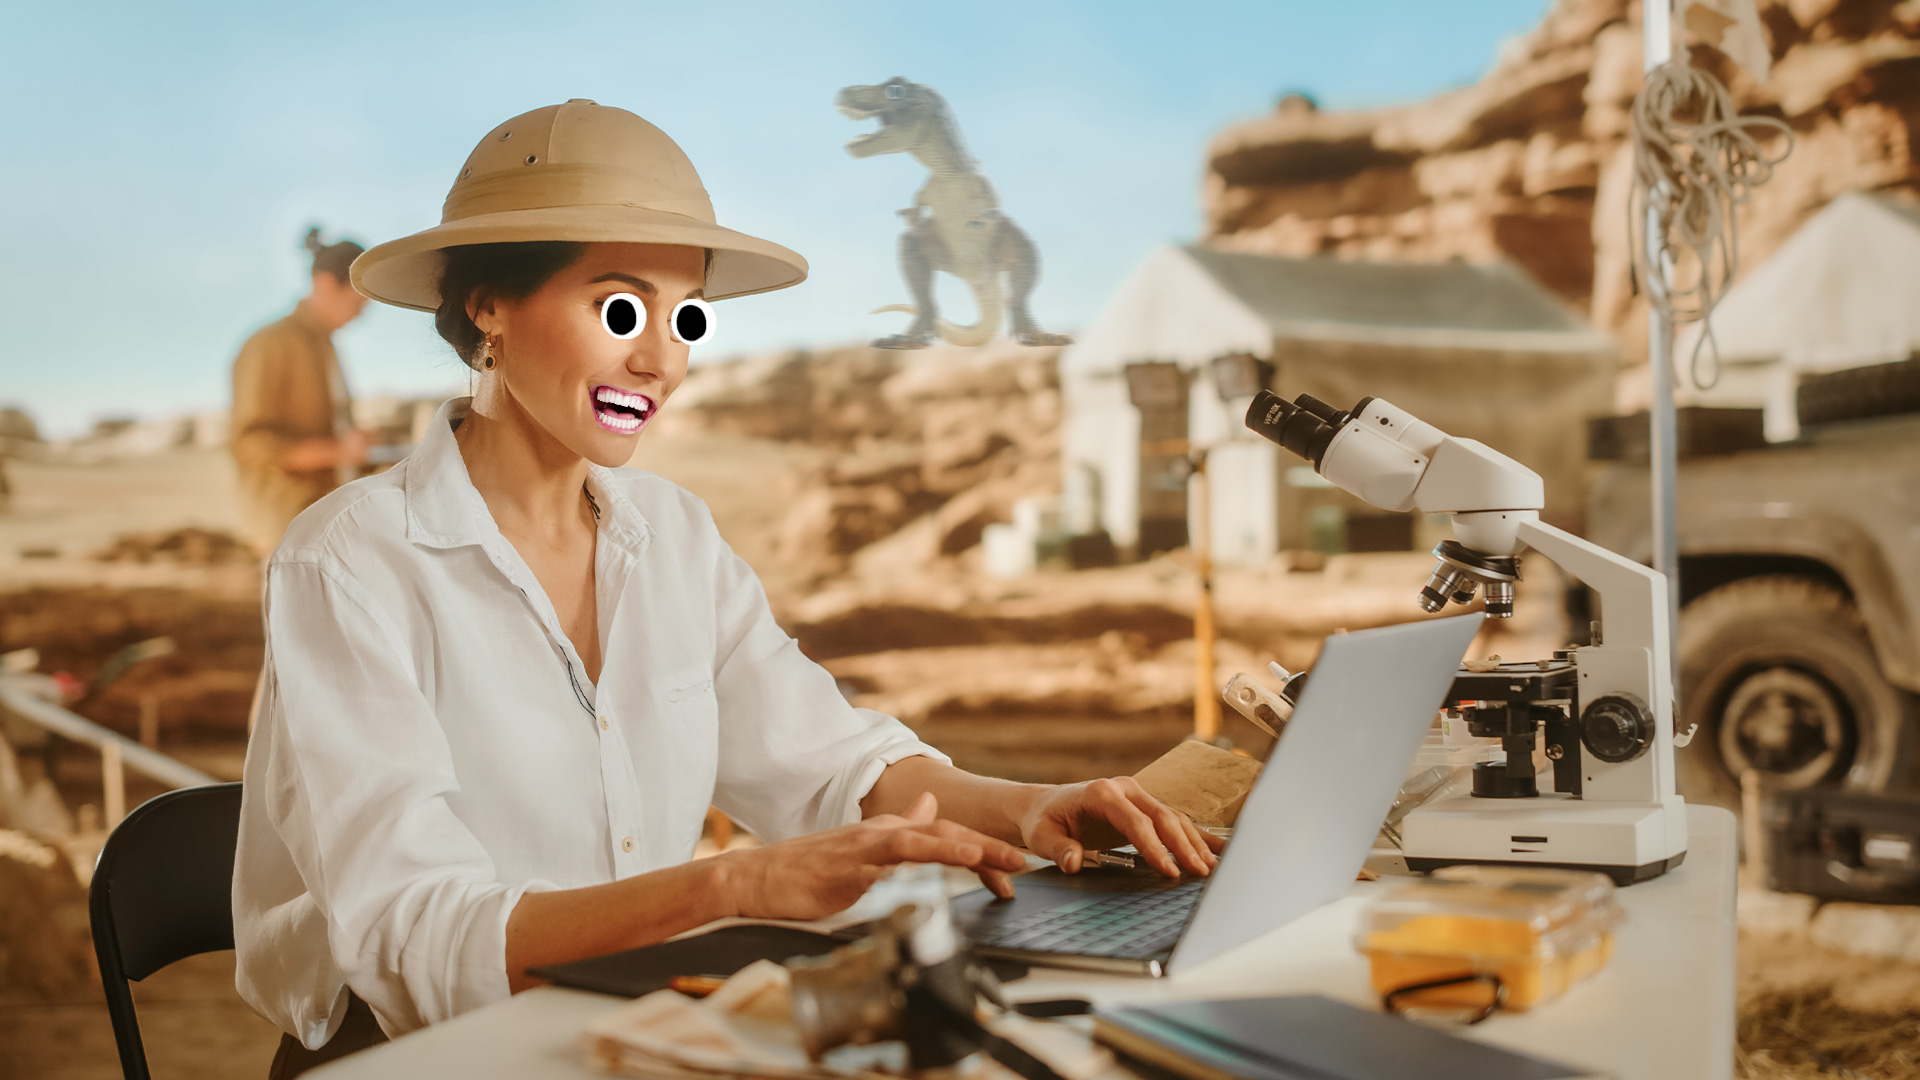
x=162, y=162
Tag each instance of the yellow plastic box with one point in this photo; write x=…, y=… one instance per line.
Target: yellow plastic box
x=1539, y=930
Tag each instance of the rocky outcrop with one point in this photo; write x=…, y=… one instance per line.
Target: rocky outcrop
x=1533, y=161
x=928, y=448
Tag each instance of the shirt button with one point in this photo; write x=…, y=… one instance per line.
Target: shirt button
x=603, y=723
x=626, y=843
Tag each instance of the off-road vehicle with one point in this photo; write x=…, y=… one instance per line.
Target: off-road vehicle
x=1799, y=582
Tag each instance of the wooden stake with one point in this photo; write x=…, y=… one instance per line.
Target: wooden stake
x=150, y=721
x=1752, y=831
x=1206, y=696
x=113, y=778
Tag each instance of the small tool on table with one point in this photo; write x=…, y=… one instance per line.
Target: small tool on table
x=698, y=986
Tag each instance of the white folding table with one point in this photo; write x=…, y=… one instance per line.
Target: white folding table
x=1661, y=1010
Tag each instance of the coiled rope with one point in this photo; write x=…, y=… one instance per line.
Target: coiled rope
x=1696, y=161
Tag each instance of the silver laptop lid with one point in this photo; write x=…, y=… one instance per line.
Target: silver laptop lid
x=1310, y=820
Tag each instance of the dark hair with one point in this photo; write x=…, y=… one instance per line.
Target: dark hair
x=511, y=270
x=333, y=258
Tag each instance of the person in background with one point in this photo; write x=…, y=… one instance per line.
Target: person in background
x=293, y=438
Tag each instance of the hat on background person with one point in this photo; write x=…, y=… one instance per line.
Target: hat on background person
x=582, y=172
x=335, y=258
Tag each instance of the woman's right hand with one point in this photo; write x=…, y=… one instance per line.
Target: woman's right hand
x=813, y=876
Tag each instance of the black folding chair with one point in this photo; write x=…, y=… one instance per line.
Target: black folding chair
x=162, y=891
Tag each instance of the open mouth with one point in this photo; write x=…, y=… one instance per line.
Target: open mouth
x=866, y=112
x=617, y=410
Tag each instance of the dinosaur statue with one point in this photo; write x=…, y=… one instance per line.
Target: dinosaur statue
x=954, y=224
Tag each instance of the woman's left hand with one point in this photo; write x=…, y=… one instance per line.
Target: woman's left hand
x=1066, y=819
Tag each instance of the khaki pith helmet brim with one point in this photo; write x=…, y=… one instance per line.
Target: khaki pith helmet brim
x=581, y=172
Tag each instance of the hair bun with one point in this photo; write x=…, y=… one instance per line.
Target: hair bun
x=314, y=246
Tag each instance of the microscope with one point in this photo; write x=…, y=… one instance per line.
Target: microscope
x=1604, y=711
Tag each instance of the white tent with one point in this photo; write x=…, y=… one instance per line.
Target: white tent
x=1482, y=349
x=1843, y=292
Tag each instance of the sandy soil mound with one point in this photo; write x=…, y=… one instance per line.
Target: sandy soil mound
x=187, y=547
x=45, y=951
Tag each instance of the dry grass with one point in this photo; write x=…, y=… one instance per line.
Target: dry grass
x=1809, y=1033
x=1806, y=1011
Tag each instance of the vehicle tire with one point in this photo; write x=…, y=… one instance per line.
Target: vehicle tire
x=1780, y=676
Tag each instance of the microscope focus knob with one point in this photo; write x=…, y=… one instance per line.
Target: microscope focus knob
x=1617, y=727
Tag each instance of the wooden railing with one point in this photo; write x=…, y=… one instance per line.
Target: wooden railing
x=117, y=752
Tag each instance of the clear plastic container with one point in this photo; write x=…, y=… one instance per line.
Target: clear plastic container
x=1539, y=930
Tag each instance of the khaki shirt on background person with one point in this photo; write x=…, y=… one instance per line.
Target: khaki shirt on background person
x=287, y=387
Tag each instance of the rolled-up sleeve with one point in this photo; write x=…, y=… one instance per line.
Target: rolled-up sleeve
x=354, y=777
x=795, y=756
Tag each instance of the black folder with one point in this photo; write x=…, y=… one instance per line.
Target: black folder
x=721, y=952
x=717, y=952
x=1306, y=1038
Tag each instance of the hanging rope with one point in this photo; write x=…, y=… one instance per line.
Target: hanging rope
x=1695, y=160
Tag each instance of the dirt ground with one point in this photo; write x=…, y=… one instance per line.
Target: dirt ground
x=1053, y=677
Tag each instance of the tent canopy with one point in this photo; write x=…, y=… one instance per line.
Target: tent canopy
x=1843, y=292
x=1190, y=304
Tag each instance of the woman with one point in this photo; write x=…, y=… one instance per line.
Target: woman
x=506, y=679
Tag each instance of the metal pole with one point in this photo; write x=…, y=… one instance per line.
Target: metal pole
x=1657, y=16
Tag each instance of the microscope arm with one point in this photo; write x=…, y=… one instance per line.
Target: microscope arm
x=1632, y=597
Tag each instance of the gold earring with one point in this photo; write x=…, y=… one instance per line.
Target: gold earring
x=486, y=357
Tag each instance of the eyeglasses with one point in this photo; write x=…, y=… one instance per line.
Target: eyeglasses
x=623, y=315
x=1461, y=999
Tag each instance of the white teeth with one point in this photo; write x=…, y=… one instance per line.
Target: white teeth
x=615, y=397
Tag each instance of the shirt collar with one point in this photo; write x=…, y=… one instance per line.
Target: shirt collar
x=309, y=320
x=620, y=520
x=445, y=510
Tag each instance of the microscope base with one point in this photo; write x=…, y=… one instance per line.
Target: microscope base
x=1628, y=842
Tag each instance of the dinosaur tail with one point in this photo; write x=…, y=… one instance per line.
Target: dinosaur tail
x=987, y=306
x=988, y=302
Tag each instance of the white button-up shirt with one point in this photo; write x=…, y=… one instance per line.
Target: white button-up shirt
x=429, y=746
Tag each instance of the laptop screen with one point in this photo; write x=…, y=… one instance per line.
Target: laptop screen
x=1310, y=820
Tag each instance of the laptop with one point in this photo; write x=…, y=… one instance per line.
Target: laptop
x=1301, y=837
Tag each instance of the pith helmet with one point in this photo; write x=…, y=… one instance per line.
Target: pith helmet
x=578, y=171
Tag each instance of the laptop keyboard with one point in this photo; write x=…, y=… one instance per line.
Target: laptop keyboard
x=1136, y=924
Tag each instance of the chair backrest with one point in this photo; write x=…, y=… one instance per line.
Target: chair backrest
x=162, y=891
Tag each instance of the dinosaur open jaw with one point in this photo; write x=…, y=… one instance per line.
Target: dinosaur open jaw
x=619, y=411
x=863, y=139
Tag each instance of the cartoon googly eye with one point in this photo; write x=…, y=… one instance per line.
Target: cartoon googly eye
x=623, y=315
x=692, y=321
x=896, y=91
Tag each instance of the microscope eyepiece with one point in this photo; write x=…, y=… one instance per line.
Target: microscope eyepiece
x=1305, y=425
x=1327, y=413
